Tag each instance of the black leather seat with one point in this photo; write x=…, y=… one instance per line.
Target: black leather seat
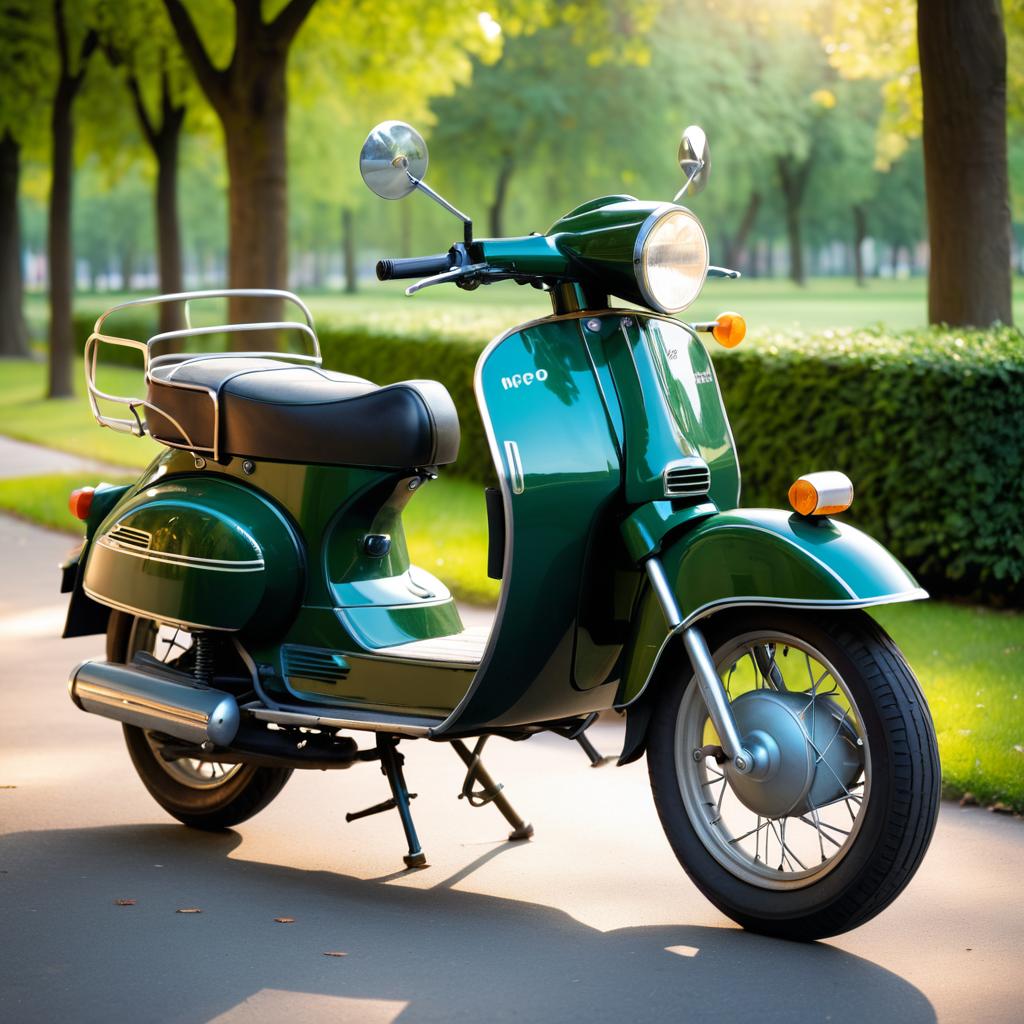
x=271, y=409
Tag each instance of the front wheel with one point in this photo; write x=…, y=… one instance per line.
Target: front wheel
x=840, y=821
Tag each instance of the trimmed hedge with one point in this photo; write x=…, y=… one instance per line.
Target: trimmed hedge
x=929, y=425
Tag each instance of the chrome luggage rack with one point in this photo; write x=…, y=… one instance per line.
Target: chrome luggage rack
x=137, y=425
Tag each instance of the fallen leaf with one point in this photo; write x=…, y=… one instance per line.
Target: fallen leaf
x=8, y=787
x=188, y=910
x=285, y=920
x=1000, y=808
x=968, y=800
x=1019, y=748
x=125, y=903
x=335, y=953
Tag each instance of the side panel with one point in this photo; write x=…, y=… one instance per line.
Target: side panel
x=763, y=557
x=200, y=552
x=554, y=449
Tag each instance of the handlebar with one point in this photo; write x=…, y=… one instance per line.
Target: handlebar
x=416, y=266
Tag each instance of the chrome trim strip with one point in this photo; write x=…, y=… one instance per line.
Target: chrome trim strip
x=917, y=594
x=188, y=561
x=372, y=722
x=515, y=466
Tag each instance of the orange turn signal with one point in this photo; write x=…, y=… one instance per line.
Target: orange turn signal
x=729, y=330
x=821, y=494
x=80, y=502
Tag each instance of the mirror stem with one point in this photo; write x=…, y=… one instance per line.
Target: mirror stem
x=441, y=201
x=689, y=181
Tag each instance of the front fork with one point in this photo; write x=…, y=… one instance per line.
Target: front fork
x=748, y=755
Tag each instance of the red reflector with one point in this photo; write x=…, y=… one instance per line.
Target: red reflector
x=80, y=502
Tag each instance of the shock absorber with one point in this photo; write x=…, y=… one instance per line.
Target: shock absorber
x=204, y=646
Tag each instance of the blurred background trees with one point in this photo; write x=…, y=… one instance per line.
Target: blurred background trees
x=216, y=143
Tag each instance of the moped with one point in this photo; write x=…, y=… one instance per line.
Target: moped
x=261, y=611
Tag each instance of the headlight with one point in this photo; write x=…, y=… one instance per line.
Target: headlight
x=671, y=260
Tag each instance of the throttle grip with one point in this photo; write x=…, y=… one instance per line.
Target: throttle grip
x=415, y=266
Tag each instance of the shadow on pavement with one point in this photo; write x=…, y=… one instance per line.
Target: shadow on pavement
x=430, y=955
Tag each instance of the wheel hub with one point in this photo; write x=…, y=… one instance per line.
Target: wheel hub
x=806, y=752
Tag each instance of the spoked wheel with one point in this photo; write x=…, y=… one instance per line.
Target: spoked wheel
x=203, y=794
x=840, y=817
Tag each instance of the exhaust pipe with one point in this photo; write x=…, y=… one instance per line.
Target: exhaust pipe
x=157, y=700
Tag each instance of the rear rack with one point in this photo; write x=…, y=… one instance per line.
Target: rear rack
x=136, y=425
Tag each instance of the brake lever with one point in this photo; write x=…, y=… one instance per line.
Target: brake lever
x=723, y=272
x=455, y=274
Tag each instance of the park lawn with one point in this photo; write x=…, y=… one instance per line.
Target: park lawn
x=67, y=423
x=769, y=304
x=970, y=660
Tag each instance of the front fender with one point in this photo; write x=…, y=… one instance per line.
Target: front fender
x=759, y=556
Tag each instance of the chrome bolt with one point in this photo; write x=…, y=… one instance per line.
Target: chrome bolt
x=594, y=325
x=199, y=461
x=627, y=321
x=698, y=755
x=414, y=483
x=248, y=467
x=740, y=764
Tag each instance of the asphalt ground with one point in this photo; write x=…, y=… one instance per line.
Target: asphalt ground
x=592, y=920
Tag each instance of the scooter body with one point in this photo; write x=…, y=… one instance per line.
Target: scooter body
x=616, y=531
x=580, y=410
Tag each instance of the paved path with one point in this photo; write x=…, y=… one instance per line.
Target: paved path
x=592, y=921
x=18, y=458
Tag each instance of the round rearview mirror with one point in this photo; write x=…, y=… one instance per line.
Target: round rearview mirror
x=694, y=160
x=391, y=153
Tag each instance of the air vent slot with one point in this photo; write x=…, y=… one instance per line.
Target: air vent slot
x=314, y=664
x=129, y=537
x=687, y=479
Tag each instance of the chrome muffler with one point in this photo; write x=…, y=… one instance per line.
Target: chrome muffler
x=164, y=701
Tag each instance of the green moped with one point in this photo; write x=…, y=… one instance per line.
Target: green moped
x=261, y=610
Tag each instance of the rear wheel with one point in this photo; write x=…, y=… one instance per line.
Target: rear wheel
x=202, y=794
x=844, y=816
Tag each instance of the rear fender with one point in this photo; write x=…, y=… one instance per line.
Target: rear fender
x=761, y=557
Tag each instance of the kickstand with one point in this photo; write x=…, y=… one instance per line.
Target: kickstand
x=490, y=791
x=391, y=766
x=596, y=758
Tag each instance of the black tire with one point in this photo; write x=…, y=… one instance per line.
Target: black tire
x=898, y=817
x=241, y=795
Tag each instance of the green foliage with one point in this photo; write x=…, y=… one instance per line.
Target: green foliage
x=26, y=68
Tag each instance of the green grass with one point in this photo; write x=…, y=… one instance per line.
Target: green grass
x=970, y=660
x=768, y=305
x=67, y=424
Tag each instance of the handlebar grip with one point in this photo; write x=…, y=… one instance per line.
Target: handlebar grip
x=416, y=266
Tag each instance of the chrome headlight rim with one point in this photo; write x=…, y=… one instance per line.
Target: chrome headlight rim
x=640, y=262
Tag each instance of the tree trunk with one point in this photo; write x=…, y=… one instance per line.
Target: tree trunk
x=860, y=232
x=168, y=229
x=258, y=204
x=797, y=274
x=59, y=252
x=769, y=258
x=348, y=249
x=13, y=330
x=496, y=213
x=793, y=181
x=734, y=253
x=963, y=81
